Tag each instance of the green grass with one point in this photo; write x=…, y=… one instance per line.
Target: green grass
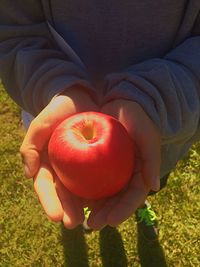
x=28, y=238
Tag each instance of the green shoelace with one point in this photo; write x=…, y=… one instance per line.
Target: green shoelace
x=87, y=212
x=147, y=215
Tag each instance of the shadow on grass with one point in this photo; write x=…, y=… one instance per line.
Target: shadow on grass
x=75, y=249
x=151, y=254
x=110, y=242
x=111, y=248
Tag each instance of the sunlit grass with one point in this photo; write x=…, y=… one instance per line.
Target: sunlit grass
x=28, y=238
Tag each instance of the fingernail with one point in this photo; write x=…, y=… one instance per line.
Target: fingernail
x=156, y=184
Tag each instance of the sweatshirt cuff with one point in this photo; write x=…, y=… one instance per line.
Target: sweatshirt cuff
x=61, y=84
x=54, y=82
x=120, y=88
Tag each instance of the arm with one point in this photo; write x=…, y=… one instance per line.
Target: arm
x=44, y=82
x=32, y=67
x=167, y=88
x=58, y=203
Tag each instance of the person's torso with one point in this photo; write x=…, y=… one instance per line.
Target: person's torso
x=111, y=35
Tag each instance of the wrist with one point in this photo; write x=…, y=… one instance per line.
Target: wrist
x=79, y=97
x=116, y=106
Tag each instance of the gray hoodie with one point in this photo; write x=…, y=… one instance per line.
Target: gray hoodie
x=145, y=51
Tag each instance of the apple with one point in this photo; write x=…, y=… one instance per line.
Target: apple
x=92, y=154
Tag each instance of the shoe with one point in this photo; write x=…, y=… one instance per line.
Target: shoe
x=147, y=222
x=86, y=228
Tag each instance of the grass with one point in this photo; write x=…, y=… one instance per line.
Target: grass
x=29, y=239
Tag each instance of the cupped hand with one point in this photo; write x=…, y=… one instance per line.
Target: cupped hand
x=58, y=203
x=146, y=137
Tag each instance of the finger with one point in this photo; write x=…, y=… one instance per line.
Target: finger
x=73, y=211
x=129, y=201
x=98, y=216
x=146, y=136
x=94, y=207
x=40, y=131
x=151, y=158
x=100, y=210
x=46, y=191
x=30, y=160
x=137, y=160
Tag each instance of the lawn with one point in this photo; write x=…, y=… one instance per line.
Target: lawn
x=29, y=239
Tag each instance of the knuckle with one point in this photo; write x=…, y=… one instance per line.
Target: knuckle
x=36, y=123
x=23, y=151
x=40, y=125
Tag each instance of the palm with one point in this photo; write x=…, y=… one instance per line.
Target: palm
x=58, y=203
x=146, y=137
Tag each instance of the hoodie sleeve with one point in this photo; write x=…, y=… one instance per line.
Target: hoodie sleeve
x=167, y=88
x=32, y=67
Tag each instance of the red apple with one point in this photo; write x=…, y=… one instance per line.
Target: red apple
x=92, y=154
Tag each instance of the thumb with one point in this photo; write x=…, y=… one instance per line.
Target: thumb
x=40, y=130
x=151, y=160
x=31, y=161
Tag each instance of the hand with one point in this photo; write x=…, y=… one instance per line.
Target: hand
x=146, y=137
x=58, y=203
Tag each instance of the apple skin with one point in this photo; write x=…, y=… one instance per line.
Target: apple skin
x=92, y=154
